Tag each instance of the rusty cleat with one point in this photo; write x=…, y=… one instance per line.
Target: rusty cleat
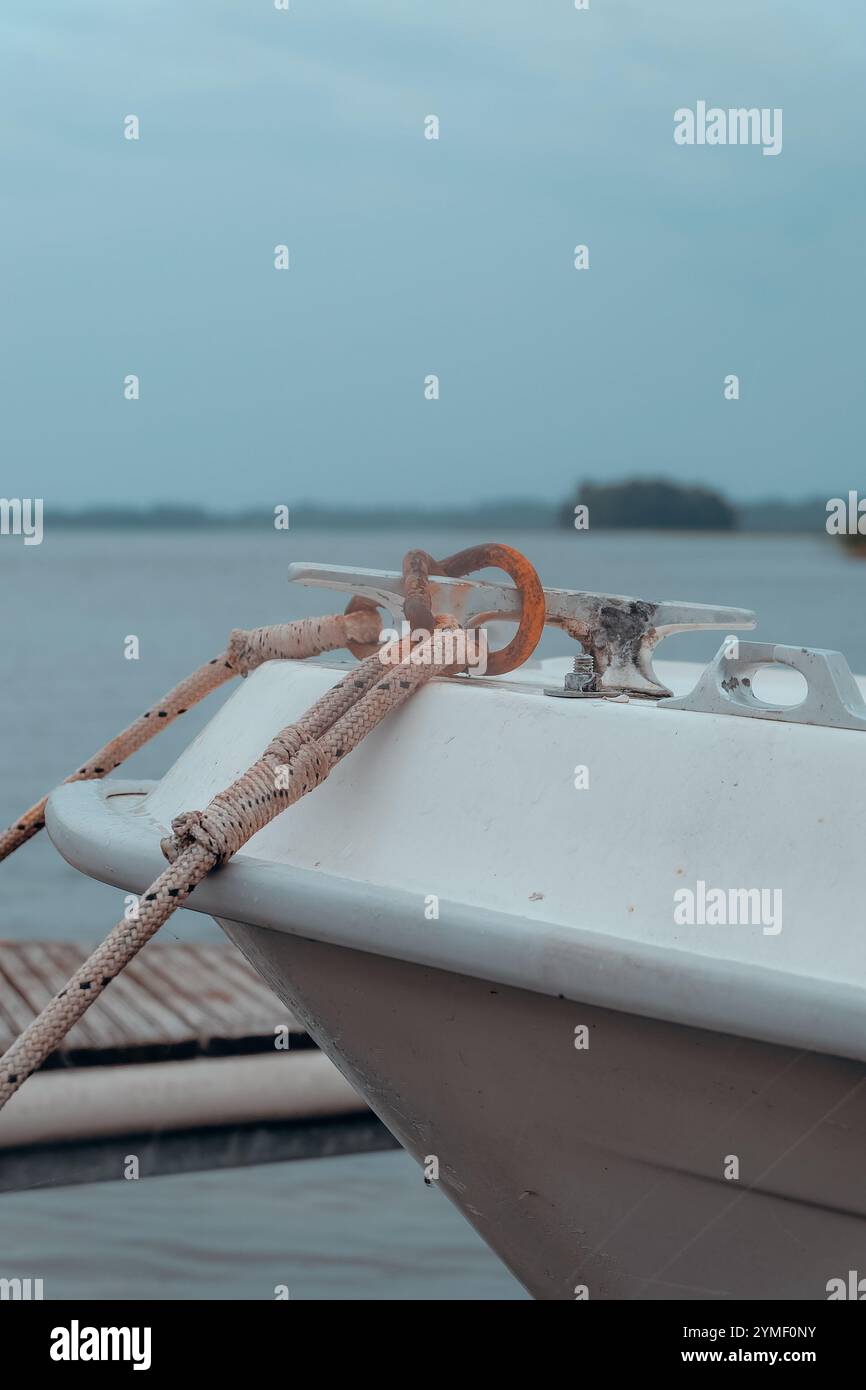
x=617, y=632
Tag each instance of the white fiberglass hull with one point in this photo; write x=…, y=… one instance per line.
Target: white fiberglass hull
x=597, y=1172
x=449, y=908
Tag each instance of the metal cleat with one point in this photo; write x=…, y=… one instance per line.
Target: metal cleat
x=832, y=697
x=619, y=633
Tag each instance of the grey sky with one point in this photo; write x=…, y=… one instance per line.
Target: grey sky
x=412, y=257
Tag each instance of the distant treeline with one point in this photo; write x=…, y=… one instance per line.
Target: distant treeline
x=652, y=504
x=309, y=516
x=659, y=504
x=649, y=504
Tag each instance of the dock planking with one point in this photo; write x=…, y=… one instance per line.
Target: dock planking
x=173, y=1001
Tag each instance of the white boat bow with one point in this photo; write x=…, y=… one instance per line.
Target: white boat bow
x=453, y=906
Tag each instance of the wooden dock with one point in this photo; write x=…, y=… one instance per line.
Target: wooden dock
x=187, y=1060
x=172, y=1002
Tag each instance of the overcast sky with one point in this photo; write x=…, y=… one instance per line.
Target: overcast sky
x=411, y=256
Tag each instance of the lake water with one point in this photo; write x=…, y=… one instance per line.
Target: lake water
x=343, y=1228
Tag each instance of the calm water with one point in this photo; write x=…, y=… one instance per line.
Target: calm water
x=357, y=1227
x=360, y=1227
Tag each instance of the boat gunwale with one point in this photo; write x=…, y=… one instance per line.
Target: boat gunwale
x=97, y=831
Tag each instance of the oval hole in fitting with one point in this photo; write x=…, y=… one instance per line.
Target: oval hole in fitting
x=779, y=685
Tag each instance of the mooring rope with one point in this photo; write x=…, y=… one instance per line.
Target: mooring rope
x=245, y=651
x=298, y=759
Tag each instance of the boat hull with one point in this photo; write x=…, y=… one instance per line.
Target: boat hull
x=599, y=1169
x=457, y=899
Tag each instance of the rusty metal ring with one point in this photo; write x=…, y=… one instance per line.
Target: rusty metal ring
x=357, y=604
x=417, y=604
x=528, y=584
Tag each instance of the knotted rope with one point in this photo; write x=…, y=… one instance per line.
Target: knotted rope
x=245, y=651
x=298, y=759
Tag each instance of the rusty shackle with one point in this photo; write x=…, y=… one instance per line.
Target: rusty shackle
x=418, y=567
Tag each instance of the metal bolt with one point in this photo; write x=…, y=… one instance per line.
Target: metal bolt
x=580, y=680
x=582, y=676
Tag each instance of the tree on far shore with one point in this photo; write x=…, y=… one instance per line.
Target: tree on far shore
x=653, y=504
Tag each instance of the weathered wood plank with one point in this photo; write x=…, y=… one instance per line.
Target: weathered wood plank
x=138, y=1018
x=232, y=966
x=36, y=992
x=173, y=998
x=95, y=1029
x=15, y=1012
